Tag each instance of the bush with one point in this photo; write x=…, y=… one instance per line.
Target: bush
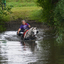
x=3, y=13
x=47, y=13
x=59, y=19
x=21, y=0
x=53, y=15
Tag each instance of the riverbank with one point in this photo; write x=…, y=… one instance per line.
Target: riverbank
x=14, y=25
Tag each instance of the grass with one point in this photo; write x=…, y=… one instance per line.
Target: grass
x=21, y=4
x=24, y=10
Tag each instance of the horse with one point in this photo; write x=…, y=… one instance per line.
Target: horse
x=30, y=34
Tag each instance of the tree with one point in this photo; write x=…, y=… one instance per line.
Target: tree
x=53, y=15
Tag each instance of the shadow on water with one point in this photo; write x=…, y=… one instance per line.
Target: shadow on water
x=54, y=51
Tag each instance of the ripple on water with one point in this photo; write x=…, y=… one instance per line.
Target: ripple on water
x=16, y=52
x=13, y=52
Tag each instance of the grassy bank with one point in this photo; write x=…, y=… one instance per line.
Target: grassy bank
x=24, y=10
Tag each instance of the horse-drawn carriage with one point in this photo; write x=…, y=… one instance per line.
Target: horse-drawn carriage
x=30, y=34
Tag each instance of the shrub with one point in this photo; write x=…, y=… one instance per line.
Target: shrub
x=53, y=15
x=3, y=13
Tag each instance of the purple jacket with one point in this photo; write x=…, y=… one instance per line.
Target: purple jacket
x=23, y=27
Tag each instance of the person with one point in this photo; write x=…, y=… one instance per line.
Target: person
x=25, y=26
x=3, y=3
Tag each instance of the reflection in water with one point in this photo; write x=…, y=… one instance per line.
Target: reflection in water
x=14, y=52
x=55, y=50
x=30, y=44
x=3, y=53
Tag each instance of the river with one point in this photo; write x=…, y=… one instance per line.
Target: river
x=45, y=50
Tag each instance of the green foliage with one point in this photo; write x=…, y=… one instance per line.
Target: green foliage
x=24, y=10
x=53, y=15
x=3, y=13
x=59, y=19
x=48, y=8
x=21, y=0
x=36, y=15
x=21, y=4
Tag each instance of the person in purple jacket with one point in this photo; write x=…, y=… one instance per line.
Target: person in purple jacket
x=23, y=27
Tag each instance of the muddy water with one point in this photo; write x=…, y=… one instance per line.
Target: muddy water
x=45, y=50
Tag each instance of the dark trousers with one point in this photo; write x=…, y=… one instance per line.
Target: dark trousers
x=3, y=5
x=20, y=33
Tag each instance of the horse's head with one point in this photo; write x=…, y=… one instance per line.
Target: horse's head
x=34, y=31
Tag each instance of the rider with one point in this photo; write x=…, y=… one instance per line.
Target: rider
x=23, y=27
x=3, y=3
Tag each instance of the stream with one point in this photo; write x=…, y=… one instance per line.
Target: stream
x=45, y=50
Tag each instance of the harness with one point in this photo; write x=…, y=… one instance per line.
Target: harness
x=25, y=33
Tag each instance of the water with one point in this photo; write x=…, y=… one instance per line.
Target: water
x=45, y=50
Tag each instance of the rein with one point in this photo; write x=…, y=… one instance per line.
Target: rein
x=25, y=32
